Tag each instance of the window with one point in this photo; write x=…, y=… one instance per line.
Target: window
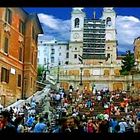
x=106, y=72
x=75, y=55
x=52, y=51
x=45, y=62
x=20, y=54
x=75, y=48
x=31, y=82
x=59, y=54
x=117, y=72
x=67, y=55
x=108, y=21
x=8, y=16
x=108, y=55
x=76, y=23
x=6, y=44
x=19, y=80
x=21, y=27
x=4, y=75
x=67, y=47
x=52, y=59
x=66, y=62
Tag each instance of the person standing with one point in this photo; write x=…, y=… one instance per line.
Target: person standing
x=123, y=125
x=137, y=127
x=40, y=127
x=6, y=125
x=20, y=127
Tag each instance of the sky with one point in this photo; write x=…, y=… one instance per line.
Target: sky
x=56, y=23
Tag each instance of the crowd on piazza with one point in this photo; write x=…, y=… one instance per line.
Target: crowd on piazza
x=74, y=111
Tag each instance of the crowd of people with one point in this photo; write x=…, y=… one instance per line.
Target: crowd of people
x=75, y=111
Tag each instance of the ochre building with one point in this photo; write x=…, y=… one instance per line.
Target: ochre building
x=18, y=54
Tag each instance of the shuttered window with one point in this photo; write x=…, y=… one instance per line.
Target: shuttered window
x=6, y=44
x=21, y=27
x=4, y=75
x=20, y=54
x=19, y=80
x=8, y=16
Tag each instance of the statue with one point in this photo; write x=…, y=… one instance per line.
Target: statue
x=44, y=75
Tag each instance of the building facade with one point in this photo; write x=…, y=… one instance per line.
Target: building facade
x=18, y=54
x=137, y=52
x=95, y=41
x=109, y=15
x=76, y=36
x=52, y=52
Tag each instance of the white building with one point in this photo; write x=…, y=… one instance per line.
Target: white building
x=50, y=53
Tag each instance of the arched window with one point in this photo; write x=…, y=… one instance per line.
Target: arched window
x=76, y=23
x=108, y=21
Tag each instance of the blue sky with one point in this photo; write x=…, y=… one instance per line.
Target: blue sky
x=56, y=23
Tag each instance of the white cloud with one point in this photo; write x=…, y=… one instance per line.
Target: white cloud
x=55, y=27
x=128, y=28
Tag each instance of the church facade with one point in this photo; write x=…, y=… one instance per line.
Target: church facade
x=94, y=42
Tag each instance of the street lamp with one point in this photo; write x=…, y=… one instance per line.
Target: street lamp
x=133, y=71
x=100, y=67
x=47, y=68
x=81, y=80
x=81, y=69
x=132, y=80
x=58, y=70
x=44, y=75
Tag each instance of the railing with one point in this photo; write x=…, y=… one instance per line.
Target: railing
x=51, y=79
x=95, y=78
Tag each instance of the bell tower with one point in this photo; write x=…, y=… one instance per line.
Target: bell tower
x=109, y=16
x=76, y=37
x=77, y=24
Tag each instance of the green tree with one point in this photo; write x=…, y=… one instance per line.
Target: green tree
x=127, y=63
x=40, y=70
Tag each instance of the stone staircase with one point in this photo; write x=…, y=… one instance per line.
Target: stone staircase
x=98, y=109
